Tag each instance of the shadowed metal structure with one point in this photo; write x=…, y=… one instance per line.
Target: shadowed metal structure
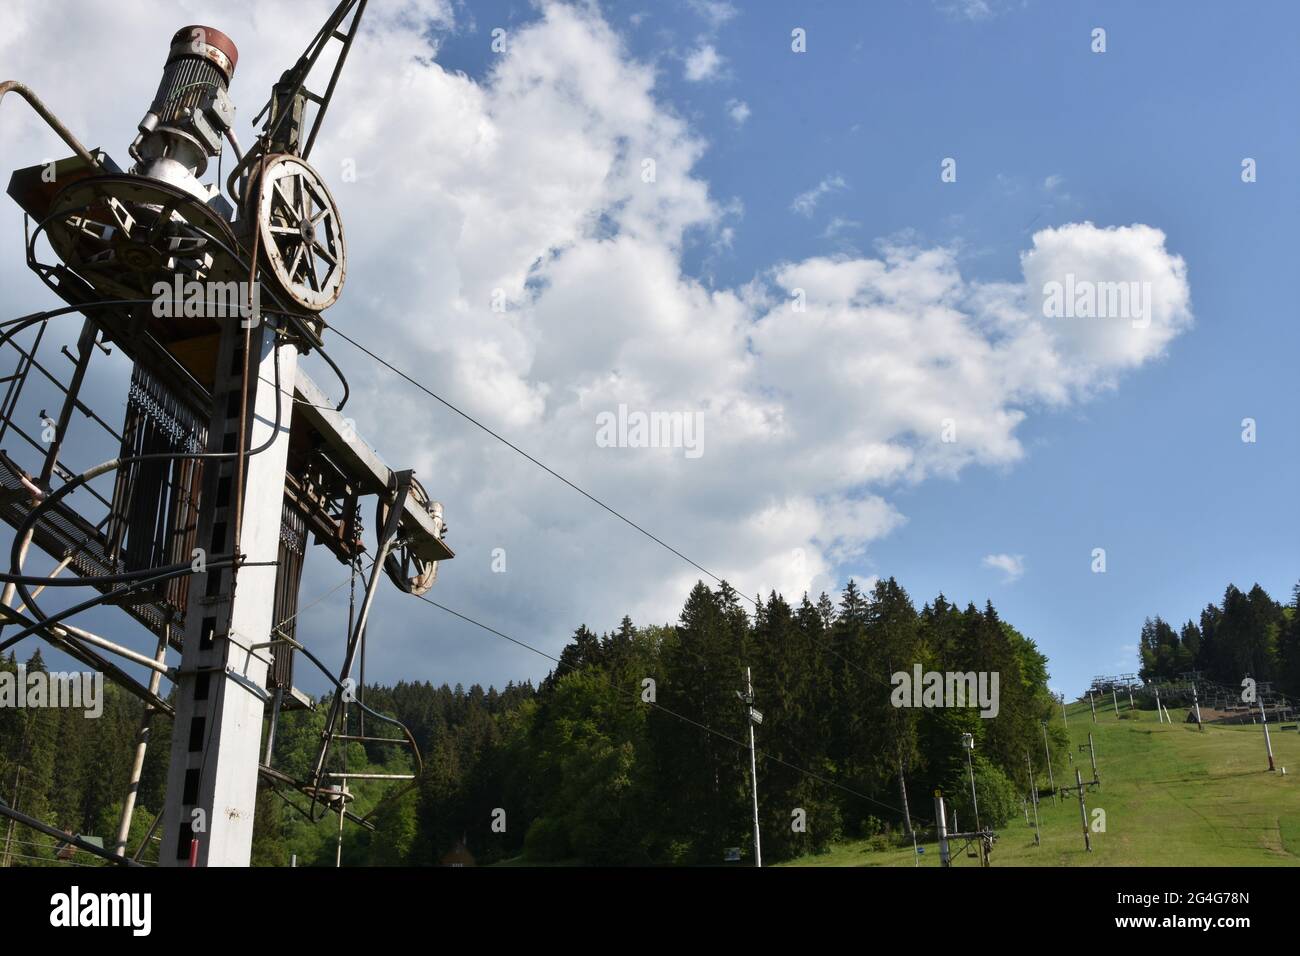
x=228, y=459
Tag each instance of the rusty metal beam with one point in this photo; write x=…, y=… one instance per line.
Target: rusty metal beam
x=362, y=462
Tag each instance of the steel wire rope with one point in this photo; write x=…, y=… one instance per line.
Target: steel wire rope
x=546, y=468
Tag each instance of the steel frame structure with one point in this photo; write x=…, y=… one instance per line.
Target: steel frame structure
x=237, y=442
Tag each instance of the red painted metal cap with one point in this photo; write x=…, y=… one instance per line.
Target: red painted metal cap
x=208, y=42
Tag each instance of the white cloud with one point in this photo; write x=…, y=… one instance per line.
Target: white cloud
x=976, y=10
x=716, y=12
x=703, y=63
x=839, y=225
x=1012, y=566
x=970, y=9
x=1093, y=351
x=529, y=181
x=805, y=204
x=738, y=110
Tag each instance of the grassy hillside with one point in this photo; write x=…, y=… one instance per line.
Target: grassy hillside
x=1173, y=796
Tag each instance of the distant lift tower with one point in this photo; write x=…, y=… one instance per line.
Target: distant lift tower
x=230, y=456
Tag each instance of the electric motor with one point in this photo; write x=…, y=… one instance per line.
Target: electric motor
x=191, y=111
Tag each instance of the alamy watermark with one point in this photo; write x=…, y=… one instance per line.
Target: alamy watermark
x=74, y=909
x=80, y=691
x=635, y=429
x=1085, y=299
x=191, y=299
x=946, y=689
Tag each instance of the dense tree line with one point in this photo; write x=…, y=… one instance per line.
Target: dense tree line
x=1248, y=634
x=634, y=748
x=64, y=768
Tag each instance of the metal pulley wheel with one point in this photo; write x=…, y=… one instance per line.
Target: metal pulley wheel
x=410, y=572
x=300, y=232
x=126, y=234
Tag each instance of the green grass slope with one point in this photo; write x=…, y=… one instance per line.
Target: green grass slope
x=1173, y=796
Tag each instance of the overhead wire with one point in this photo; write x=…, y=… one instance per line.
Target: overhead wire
x=633, y=524
x=22, y=582
x=582, y=491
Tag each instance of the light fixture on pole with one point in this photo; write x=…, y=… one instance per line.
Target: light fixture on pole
x=755, y=717
x=968, y=744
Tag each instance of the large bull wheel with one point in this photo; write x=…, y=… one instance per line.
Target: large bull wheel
x=300, y=232
x=126, y=234
x=407, y=570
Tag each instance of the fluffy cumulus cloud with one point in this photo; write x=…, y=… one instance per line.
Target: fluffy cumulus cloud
x=561, y=186
x=703, y=63
x=1012, y=566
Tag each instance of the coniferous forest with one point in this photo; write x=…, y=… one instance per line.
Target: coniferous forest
x=634, y=749
x=1248, y=633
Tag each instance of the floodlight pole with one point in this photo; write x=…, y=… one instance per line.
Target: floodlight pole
x=1033, y=795
x=220, y=688
x=1051, y=778
x=968, y=742
x=941, y=828
x=1083, y=810
x=753, y=763
x=1268, y=741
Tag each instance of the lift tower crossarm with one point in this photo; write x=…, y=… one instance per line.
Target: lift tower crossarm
x=422, y=529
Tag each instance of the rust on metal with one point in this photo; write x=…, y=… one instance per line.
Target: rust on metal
x=209, y=43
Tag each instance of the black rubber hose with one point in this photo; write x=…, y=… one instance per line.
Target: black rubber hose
x=48, y=501
x=49, y=620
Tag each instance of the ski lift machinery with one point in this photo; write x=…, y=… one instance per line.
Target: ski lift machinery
x=229, y=456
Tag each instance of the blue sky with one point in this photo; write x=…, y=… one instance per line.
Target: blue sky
x=1154, y=130
x=514, y=159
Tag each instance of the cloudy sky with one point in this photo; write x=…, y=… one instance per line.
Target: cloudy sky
x=835, y=257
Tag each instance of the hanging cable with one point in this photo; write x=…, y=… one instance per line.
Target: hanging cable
x=582, y=491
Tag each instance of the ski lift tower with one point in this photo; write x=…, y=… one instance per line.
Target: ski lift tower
x=231, y=456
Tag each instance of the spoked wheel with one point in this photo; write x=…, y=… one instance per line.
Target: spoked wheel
x=410, y=572
x=125, y=234
x=300, y=232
